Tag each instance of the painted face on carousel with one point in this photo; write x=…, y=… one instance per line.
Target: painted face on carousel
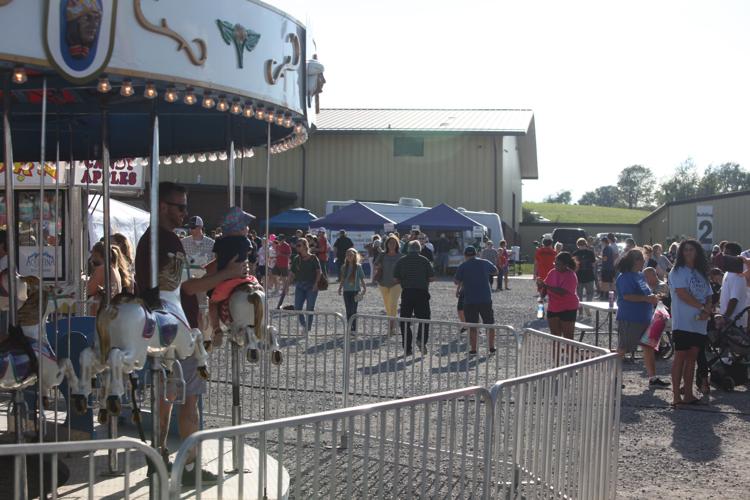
x=83, y=20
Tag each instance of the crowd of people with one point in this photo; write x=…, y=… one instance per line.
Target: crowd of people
x=696, y=291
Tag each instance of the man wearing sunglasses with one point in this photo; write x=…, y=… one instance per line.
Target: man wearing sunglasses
x=172, y=213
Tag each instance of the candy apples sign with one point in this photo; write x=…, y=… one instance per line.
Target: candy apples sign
x=123, y=174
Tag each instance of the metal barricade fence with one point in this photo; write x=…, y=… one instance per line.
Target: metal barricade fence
x=378, y=369
x=310, y=378
x=432, y=446
x=555, y=433
x=539, y=351
x=134, y=481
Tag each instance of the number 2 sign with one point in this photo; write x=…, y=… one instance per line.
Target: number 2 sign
x=705, y=222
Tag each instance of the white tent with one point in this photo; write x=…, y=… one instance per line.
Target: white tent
x=124, y=218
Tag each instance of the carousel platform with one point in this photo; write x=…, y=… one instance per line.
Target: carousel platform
x=74, y=469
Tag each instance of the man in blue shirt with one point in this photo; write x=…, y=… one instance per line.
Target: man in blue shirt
x=473, y=278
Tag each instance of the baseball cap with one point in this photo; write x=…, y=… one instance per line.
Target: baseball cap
x=468, y=251
x=195, y=222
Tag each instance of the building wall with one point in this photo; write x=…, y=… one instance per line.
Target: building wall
x=455, y=169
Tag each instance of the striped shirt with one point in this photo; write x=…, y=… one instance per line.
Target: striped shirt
x=413, y=271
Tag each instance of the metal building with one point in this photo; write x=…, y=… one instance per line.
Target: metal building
x=474, y=159
x=710, y=219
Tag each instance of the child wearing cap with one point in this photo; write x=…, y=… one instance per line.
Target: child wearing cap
x=233, y=245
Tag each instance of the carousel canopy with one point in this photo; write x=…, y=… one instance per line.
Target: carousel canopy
x=213, y=72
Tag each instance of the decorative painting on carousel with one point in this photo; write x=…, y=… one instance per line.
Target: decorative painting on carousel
x=79, y=36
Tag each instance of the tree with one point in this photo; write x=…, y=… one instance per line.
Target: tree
x=564, y=197
x=724, y=178
x=682, y=185
x=636, y=184
x=604, y=196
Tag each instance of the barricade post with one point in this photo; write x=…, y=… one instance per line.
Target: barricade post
x=555, y=433
x=95, y=490
x=432, y=446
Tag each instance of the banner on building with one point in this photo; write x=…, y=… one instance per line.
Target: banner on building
x=705, y=224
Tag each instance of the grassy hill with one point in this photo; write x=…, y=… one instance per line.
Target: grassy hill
x=582, y=214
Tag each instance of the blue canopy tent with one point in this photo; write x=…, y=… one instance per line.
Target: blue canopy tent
x=355, y=217
x=295, y=218
x=442, y=217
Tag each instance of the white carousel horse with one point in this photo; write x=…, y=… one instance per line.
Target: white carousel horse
x=128, y=331
x=18, y=369
x=243, y=313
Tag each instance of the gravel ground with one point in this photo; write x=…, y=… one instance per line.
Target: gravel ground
x=664, y=453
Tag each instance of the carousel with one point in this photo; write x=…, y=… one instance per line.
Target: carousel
x=95, y=95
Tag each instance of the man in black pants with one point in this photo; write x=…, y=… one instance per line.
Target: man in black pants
x=414, y=273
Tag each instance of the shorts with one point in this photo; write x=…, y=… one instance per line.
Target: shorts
x=629, y=335
x=195, y=385
x=564, y=315
x=460, y=306
x=280, y=271
x=684, y=341
x=607, y=275
x=472, y=312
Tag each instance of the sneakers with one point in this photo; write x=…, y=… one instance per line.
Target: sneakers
x=658, y=383
x=207, y=477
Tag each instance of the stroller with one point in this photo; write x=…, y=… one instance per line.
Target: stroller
x=729, y=354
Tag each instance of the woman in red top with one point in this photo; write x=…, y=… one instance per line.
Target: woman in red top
x=560, y=284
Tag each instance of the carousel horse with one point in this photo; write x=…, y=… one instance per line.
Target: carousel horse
x=128, y=331
x=20, y=355
x=241, y=309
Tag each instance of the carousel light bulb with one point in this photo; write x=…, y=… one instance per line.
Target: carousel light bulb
x=126, y=90
x=288, y=121
x=202, y=158
x=170, y=95
x=190, y=98
x=191, y=159
x=208, y=101
x=280, y=119
x=298, y=128
x=167, y=160
x=223, y=155
x=270, y=116
x=150, y=91
x=222, y=105
x=249, y=153
x=145, y=162
x=103, y=86
x=178, y=159
x=212, y=156
x=238, y=154
x=249, y=111
x=236, y=108
x=19, y=75
x=260, y=113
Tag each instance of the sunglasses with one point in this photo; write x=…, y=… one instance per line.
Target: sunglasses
x=180, y=206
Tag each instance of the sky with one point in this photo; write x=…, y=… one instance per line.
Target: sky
x=612, y=84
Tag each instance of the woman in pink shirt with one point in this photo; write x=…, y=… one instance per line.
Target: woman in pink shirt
x=560, y=285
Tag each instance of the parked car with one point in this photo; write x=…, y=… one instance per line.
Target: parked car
x=568, y=237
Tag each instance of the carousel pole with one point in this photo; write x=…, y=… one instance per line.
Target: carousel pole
x=153, y=280
x=112, y=461
x=41, y=333
x=20, y=486
x=265, y=364
x=236, y=403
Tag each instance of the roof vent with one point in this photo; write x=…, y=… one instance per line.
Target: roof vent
x=410, y=202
